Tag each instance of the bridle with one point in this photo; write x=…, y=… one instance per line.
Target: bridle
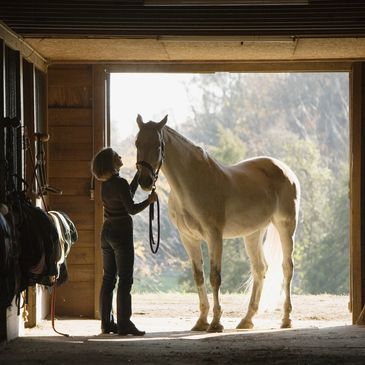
x=154, y=245
x=149, y=167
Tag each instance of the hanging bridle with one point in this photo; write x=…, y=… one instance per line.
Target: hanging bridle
x=154, y=245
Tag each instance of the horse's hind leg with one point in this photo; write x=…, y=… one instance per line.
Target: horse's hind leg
x=286, y=231
x=193, y=249
x=253, y=244
x=215, y=246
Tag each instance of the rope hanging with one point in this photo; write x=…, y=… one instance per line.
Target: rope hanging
x=155, y=244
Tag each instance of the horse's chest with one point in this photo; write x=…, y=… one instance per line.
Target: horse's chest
x=184, y=220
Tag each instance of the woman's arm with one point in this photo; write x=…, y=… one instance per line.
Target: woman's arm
x=127, y=198
x=134, y=184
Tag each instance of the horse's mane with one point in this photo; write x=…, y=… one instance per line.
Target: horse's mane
x=203, y=153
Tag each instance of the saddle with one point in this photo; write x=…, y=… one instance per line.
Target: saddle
x=34, y=245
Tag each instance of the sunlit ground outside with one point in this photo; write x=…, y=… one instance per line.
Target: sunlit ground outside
x=165, y=313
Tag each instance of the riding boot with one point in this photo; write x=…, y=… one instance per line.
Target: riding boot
x=129, y=328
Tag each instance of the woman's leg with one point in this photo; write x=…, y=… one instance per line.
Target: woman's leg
x=121, y=239
x=124, y=257
x=108, y=284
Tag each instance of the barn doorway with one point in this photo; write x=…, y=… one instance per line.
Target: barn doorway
x=301, y=118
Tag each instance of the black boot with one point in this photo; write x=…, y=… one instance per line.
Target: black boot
x=130, y=329
x=112, y=328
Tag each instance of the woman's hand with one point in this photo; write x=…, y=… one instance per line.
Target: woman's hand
x=152, y=197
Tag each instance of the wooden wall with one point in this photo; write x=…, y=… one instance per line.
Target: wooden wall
x=70, y=150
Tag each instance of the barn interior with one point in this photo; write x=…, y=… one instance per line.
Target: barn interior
x=57, y=58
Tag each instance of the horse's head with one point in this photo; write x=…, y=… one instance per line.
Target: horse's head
x=150, y=151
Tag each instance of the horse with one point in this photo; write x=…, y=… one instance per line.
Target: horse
x=209, y=202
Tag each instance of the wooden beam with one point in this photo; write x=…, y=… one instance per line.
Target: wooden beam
x=210, y=67
x=99, y=116
x=222, y=2
x=27, y=51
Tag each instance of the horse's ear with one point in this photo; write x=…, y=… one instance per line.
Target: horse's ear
x=139, y=121
x=162, y=123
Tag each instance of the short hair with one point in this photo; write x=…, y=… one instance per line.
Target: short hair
x=103, y=165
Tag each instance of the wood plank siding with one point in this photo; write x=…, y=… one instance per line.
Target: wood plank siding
x=70, y=126
x=132, y=18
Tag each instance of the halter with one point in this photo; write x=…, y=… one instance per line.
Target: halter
x=154, y=245
x=150, y=168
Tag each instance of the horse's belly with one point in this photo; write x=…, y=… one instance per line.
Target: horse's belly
x=245, y=219
x=239, y=229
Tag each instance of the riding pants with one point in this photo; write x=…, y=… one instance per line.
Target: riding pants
x=118, y=260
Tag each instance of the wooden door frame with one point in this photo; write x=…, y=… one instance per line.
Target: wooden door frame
x=99, y=141
x=356, y=71
x=357, y=186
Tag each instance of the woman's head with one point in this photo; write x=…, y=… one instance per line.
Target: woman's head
x=105, y=164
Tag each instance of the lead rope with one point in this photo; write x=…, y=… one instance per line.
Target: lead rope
x=53, y=309
x=154, y=245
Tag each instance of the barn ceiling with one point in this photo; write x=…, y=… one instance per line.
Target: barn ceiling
x=127, y=30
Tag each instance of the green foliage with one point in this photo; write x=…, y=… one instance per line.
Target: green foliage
x=324, y=266
x=230, y=148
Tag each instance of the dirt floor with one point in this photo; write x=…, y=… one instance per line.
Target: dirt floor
x=322, y=334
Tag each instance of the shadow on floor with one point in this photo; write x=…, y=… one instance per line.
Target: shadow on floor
x=330, y=345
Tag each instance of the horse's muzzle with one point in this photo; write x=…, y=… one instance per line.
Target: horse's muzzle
x=146, y=182
x=147, y=176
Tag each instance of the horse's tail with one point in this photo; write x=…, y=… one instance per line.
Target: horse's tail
x=272, y=288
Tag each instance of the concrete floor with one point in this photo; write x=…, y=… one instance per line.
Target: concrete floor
x=177, y=345
x=315, y=339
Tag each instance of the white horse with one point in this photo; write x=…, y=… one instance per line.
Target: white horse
x=209, y=202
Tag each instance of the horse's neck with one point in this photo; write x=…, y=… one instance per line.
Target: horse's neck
x=184, y=162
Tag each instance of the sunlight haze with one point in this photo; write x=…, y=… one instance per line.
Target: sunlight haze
x=153, y=95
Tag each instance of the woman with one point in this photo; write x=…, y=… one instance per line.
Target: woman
x=117, y=241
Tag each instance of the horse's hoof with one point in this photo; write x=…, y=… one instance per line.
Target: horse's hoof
x=286, y=323
x=215, y=328
x=245, y=325
x=200, y=326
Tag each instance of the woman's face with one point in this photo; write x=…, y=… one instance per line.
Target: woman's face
x=117, y=161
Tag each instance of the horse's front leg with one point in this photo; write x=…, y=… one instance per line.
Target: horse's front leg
x=215, y=245
x=193, y=249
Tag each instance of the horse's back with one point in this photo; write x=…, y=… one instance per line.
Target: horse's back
x=265, y=168
x=268, y=182
x=286, y=186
